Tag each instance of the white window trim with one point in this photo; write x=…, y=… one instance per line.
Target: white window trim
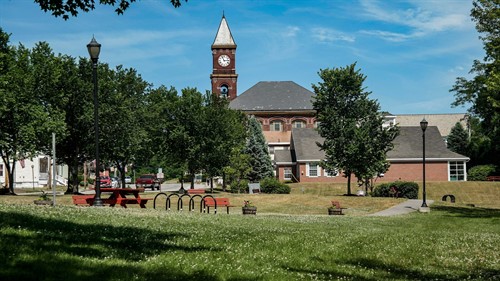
x=284, y=173
x=318, y=174
x=464, y=170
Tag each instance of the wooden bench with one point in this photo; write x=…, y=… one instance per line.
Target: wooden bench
x=337, y=210
x=196, y=191
x=221, y=202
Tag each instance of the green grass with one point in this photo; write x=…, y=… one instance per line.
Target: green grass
x=72, y=243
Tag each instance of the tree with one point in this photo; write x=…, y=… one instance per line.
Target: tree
x=238, y=169
x=65, y=8
x=373, y=142
x=122, y=118
x=349, y=122
x=458, y=140
x=256, y=147
x=75, y=147
x=483, y=91
x=29, y=111
x=224, y=129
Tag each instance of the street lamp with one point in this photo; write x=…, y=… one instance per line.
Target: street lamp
x=94, y=49
x=423, y=126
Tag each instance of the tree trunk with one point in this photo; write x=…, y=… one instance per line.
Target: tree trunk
x=192, y=180
x=73, y=178
x=211, y=185
x=349, y=183
x=224, y=182
x=10, y=172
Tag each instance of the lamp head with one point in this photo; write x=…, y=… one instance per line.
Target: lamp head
x=94, y=49
x=423, y=124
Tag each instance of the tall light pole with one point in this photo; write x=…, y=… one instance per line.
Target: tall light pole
x=94, y=49
x=423, y=126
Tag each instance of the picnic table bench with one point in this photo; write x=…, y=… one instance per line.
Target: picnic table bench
x=216, y=202
x=117, y=196
x=196, y=191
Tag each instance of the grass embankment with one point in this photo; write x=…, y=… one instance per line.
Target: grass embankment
x=73, y=243
x=314, y=198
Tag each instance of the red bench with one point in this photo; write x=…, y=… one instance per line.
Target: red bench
x=221, y=202
x=196, y=191
x=493, y=178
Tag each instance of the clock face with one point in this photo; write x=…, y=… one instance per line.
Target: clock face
x=224, y=60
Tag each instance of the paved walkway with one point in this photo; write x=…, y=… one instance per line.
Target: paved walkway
x=406, y=207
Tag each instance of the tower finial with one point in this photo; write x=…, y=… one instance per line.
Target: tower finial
x=223, y=14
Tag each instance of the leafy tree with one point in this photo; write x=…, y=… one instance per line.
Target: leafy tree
x=224, y=129
x=483, y=91
x=458, y=140
x=238, y=169
x=75, y=147
x=373, y=142
x=28, y=113
x=65, y=8
x=122, y=118
x=355, y=141
x=256, y=147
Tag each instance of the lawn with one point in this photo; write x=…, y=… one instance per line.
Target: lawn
x=453, y=242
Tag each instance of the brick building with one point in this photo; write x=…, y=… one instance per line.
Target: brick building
x=288, y=121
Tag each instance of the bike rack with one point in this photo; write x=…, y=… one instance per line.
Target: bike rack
x=154, y=201
x=191, y=204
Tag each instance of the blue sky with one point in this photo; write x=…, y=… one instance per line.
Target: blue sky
x=410, y=50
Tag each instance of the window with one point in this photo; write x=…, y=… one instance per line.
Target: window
x=457, y=171
x=287, y=173
x=312, y=169
x=276, y=126
x=299, y=124
x=1, y=170
x=271, y=149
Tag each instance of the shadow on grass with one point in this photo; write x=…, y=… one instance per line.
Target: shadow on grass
x=36, y=248
x=469, y=212
x=364, y=269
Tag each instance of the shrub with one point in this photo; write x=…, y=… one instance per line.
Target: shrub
x=273, y=185
x=404, y=189
x=242, y=187
x=479, y=173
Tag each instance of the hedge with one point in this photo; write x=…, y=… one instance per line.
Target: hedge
x=404, y=189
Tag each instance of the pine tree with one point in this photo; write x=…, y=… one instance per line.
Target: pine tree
x=458, y=140
x=256, y=147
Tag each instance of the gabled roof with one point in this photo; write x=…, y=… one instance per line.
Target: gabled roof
x=283, y=157
x=274, y=96
x=304, y=143
x=408, y=146
x=224, y=38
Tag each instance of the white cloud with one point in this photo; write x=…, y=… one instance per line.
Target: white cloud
x=330, y=35
x=423, y=18
x=291, y=31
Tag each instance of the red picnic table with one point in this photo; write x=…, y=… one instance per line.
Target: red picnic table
x=117, y=196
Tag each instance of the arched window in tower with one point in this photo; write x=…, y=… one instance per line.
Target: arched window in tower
x=224, y=90
x=277, y=126
x=299, y=124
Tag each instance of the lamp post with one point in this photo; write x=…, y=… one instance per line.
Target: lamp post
x=94, y=49
x=423, y=126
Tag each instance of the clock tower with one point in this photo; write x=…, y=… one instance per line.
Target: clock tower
x=224, y=77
